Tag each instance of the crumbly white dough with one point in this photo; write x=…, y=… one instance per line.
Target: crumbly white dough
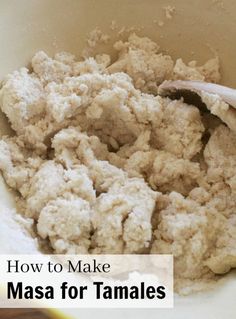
x=141, y=60
x=189, y=232
x=208, y=72
x=102, y=164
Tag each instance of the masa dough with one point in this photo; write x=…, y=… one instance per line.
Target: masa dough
x=103, y=164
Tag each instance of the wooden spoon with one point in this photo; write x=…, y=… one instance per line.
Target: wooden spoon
x=22, y=314
x=227, y=94
x=219, y=100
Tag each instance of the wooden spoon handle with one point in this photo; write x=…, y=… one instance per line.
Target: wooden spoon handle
x=22, y=314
